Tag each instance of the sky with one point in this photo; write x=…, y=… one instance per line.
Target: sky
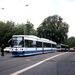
x=37, y=11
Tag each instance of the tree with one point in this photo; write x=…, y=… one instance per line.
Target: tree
x=53, y=28
x=71, y=41
x=6, y=31
x=18, y=29
x=9, y=28
x=29, y=28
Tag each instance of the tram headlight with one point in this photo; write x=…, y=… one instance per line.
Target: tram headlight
x=21, y=49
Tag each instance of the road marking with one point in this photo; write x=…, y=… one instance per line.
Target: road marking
x=32, y=66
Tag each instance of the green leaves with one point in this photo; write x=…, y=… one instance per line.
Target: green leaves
x=53, y=28
x=5, y=31
x=9, y=28
x=71, y=41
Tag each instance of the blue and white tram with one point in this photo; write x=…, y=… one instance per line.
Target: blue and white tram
x=62, y=47
x=29, y=44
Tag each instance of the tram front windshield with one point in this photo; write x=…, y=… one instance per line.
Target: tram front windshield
x=17, y=42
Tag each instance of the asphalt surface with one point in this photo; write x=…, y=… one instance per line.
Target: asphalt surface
x=56, y=65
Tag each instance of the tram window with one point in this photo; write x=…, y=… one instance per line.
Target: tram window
x=39, y=44
x=62, y=46
x=17, y=42
x=30, y=43
x=34, y=43
x=47, y=45
x=21, y=43
x=53, y=45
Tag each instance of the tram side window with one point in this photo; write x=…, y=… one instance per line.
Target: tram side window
x=39, y=44
x=34, y=43
x=53, y=45
x=62, y=46
x=47, y=45
x=30, y=43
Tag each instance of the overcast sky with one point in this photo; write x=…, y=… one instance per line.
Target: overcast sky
x=38, y=10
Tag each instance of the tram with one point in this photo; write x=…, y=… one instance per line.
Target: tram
x=62, y=47
x=29, y=44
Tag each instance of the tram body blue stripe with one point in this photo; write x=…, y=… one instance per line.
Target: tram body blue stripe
x=22, y=53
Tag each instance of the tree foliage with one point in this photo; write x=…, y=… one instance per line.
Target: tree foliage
x=9, y=28
x=53, y=28
x=29, y=29
x=5, y=31
x=71, y=41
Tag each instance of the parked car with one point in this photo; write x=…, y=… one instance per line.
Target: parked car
x=7, y=49
x=71, y=49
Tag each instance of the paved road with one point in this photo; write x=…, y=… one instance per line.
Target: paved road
x=44, y=64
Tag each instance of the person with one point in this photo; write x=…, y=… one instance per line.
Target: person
x=2, y=49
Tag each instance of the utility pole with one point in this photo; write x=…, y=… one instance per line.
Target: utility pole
x=27, y=19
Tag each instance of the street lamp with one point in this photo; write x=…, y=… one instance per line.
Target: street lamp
x=26, y=6
x=24, y=25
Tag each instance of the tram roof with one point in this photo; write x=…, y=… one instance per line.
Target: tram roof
x=32, y=37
